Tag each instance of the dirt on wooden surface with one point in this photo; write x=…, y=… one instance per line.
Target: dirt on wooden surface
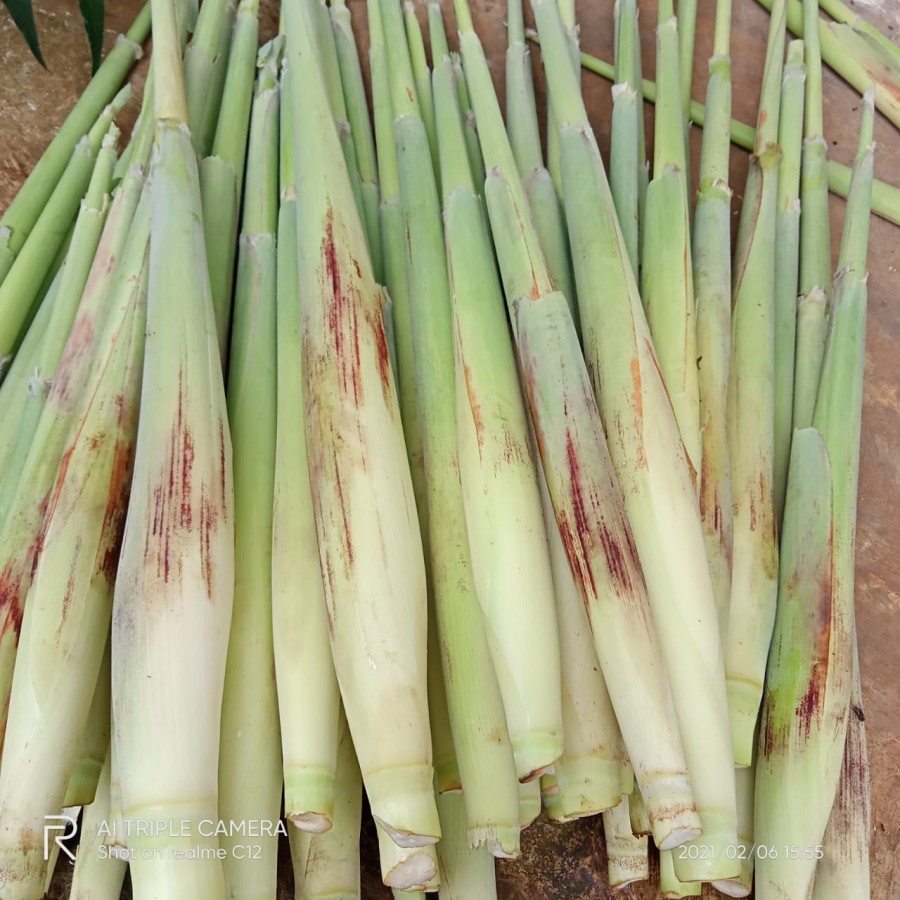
x=568, y=862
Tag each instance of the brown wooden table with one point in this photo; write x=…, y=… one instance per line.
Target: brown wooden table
x=568, y=862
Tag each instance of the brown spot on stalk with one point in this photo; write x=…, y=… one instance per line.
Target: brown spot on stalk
x=474, y=406
x=384, y=356
x=209, y=519
x=223, y=466
x=637, y=395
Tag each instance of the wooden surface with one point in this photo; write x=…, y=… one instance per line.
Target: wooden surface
x=568, y=862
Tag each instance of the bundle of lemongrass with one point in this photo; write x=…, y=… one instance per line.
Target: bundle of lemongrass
x=408, y=459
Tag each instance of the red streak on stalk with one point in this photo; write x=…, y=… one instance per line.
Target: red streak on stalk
x=384, y=355
x=474, y=406
x=577, y=544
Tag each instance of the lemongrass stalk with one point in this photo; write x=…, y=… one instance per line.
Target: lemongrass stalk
x=473, y=697
x=711, y=254
x=840, y=12
x=358, y=471
x=637, y=812
x=745, y=780
x=360, y=128
x=250, y=765
x=810, y=680
x=653, y=471
x=567, y=15
x=93, y=745
x=406, y=868
x=98, y=875
x=853, y=58
x=687, y=32
x=843, y=873
x=222, y=172
x=815, y=282
x=550, y=796
x=299, y=842
x=206, y=62
x=588, y=774
x=176, y=570
x=667, y=285
x=19, y=537
x=500, y=492
x=114, y=836
x=437, y=34
x=669, y=885
x=72, y=279
x=26, y=207
x=885, y=197
x=751, y=415
x=21, y=286
x=529, y=802
x=331, y=71
x=422, y=81
x=626, y=165
x=309, y=723
x=332, y=862
x=466, y=873
x=587, y=501
x=525, y=137
x=787, y=260
x=67, y=615
x=473, y=145
x=394, y=249
x=626, y=854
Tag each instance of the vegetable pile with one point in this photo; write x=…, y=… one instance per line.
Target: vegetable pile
x=353, y=448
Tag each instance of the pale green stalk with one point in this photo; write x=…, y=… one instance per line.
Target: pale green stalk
x=327, y=54
x=787, y=260
x=437, y=34
x=810, y=676
x=587, y=501
x=815, y=284
x=687, y=32
x=854, y=58
x=175, y=581
x=406, y=868
x=745, y=781
x=507, y=538
x=669, y=885
x=550, y=796
x=299, y=842
x=627, y=165
x=98, y=875
x=73, y=276
x=465, y=873
x=473, y=698
x=843, y=873
x=394, y=248
x=840, y=12
x=67, y=614
x=567, y=15
x=250, y=765
x=331, y=871
x=473, y=145
x=667, y=285
x=222, y=172
x=525, y=137
x=206, y=62
x=885, y=197
x=360, y=128
x=751, y=415
x=422, y=82
x=588, y=774
x=21, y=287
x=711, y=253
x=26, y=207
x=529, y=802
x=309, y=722
x=637, y=812
x=94, y=743
x=361, y=487
x=626, y=854
x=653, y=471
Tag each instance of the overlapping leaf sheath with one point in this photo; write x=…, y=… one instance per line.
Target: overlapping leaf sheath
x=711, y=254
x=309, y=721
x=809, y=679
x=464, y=873
x=174, y=590
x=67, y=616
x=626, y=853
x=369, y=544
x=250, y=770
x=751, y=416
x=473, y=699
x=25, y=208
x=652, y=469
x=587, y=501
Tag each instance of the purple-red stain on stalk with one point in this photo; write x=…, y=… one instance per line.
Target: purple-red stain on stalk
x=384, y=355
x=342, y=315
x=577, y=544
